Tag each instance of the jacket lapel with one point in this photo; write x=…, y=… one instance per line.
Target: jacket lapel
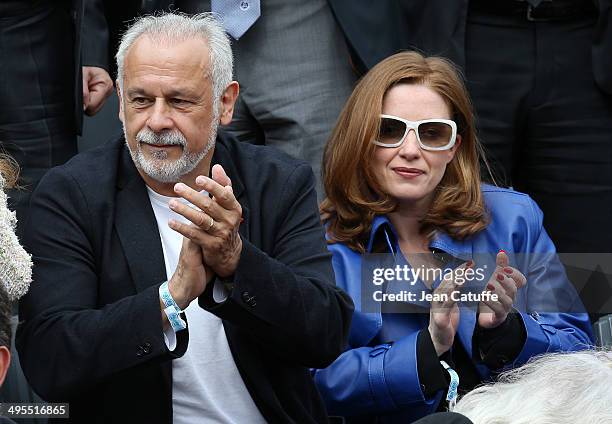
x=137, y=229
x=223, y=157
x=139, y=236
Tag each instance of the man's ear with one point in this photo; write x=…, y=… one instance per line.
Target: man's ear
x=121, y=112
x=5, y=360
x=228, y=100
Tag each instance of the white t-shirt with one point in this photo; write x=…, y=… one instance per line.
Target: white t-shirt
x=206, y=384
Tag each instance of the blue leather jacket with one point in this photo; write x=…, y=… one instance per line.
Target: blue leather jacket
x=376, y=379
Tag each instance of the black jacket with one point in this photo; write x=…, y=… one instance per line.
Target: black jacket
x=92, y=333
x=377, y=29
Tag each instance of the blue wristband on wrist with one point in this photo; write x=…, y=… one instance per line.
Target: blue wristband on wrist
x=177, y=323
x=451, y=396
x=172, y=310
x=166, y=297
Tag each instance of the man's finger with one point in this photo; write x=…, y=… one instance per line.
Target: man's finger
x=189, y=231
x=222, y=194
x=197, y=217
x=219, y=175
x=190, y=247
x=85, y=94
x=99, y=86
x=96, y=100
x=193, y=233
x=98, y=93
x=201, y=201
x=204, y=205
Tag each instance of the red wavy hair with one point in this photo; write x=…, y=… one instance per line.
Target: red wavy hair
x=354, y=196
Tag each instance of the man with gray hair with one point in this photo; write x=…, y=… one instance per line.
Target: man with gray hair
x=181, y=276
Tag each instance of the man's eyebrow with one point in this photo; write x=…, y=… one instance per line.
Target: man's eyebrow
x=179, y=93
x=136, y=92
x=170, y=93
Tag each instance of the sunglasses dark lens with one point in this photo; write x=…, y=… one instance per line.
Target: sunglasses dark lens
x=435, y=134
x=391, y=131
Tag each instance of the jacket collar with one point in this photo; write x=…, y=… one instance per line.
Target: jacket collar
x=136, y=226
x=382, y=229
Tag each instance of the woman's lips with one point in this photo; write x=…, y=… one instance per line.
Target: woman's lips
x=408, y=172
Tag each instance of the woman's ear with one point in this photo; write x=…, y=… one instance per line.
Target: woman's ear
x=455, y=147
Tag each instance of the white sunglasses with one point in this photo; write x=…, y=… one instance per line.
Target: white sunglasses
x=432, y=134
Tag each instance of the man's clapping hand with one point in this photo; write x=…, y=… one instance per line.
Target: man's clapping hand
x=214, y=227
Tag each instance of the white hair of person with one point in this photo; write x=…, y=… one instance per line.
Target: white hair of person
x=554, y=388
x=169, y=28
x=15, y=262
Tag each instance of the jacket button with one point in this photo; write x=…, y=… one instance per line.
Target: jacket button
x=140, y=351
x=146, y=348
x=248, y=299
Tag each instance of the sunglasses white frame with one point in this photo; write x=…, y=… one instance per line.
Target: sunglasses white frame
x=413, y=125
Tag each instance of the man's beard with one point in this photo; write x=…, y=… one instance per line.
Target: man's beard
x=158, y=166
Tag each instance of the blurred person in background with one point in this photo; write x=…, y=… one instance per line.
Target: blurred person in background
x=540, y=76
x=53, y=63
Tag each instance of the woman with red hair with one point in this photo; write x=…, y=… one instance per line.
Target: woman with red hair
x=409, y=222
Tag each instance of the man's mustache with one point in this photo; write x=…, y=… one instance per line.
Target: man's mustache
x=167, y=138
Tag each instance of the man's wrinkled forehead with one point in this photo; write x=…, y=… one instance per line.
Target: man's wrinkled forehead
x=190, y=56
x=165, y=40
